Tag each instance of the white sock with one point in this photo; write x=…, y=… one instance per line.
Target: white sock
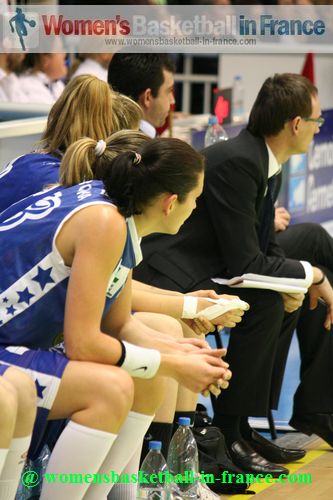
x=79, y=450
x=128, y=491
x=129, y=438
x=3, y=455
x=12, y=468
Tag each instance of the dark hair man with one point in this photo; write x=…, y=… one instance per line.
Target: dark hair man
x=148, y=80
x=232, y=232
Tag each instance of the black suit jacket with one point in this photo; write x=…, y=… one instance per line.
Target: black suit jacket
x=221, y=236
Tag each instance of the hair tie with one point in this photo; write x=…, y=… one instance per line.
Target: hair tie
x=136, y=159
x=100, y=148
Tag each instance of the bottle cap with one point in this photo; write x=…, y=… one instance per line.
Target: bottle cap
x=212, y=120
x=238, y=77
x=184, y=421
x=155, y=445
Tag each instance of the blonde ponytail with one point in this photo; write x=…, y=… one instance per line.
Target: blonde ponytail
x=77, y=163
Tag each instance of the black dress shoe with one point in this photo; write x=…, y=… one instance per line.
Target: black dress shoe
x=251, y=462
x=272, y=452
x=315, y=423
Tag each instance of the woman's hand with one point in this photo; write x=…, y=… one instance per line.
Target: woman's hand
x=203, y=371
x=193, y=342
x=200, y=326
x=229, y=319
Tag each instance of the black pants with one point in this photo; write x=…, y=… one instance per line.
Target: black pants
x=315, y=395
x=257, y=353
x=257, y=349
x=259, y=345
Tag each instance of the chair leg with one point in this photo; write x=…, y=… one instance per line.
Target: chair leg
x=218, y=339
x=271, y=425
x=219, y=345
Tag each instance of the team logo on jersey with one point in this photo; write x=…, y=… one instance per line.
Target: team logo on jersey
x=38, y=210
x=117, y=280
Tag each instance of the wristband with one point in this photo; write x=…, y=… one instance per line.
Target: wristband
x=140, y=362
x=123, y=354
x=190, y=306
x=322, y=279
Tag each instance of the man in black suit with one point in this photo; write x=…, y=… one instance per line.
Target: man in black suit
x=232, y=232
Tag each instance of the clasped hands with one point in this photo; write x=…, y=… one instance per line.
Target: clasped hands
x=200, y=348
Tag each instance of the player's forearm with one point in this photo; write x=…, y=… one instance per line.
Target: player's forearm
x=172, y=305
x=100, y=348
x=143, y=301
x=138, y=285
x=138, y=333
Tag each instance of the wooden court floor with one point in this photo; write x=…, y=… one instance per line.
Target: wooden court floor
x=318, y=463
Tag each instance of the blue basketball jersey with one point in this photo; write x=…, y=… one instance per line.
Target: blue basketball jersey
x=33, y=276
x=3, y=368
x=27, y=175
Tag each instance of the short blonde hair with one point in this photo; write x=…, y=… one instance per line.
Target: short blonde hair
x=87, y=108
x=126, y=113
x=84, y=109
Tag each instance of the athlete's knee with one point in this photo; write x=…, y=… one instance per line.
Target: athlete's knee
x=8, y=404
x=124, y=389
x=172, y=327
x=26, y=394
x=150, y=393
x=116, y=392
x=161, y=322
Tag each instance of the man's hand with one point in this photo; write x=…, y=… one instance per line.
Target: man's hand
x=325, y=292
x=282, y=219
x=292, y=301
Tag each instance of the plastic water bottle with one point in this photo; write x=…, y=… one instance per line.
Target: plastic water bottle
x=238, y=108
x=39, y=466
x=154, y=463
x=215, y=132
x=183, y=459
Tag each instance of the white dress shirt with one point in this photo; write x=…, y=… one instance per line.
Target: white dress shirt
x=11, y=89
x=91, y=67
x=38, y=87
x=148, y=129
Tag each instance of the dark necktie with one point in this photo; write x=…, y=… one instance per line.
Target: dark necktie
x=268, y=214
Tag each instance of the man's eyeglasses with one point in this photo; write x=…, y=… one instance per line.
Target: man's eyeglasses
x=319, y=121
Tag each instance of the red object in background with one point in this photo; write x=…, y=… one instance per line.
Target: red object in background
x=308, y=67
x=221, y=108
x=166, y=125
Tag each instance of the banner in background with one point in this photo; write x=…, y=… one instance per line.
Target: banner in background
x=186, y=29
x=307, y=190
